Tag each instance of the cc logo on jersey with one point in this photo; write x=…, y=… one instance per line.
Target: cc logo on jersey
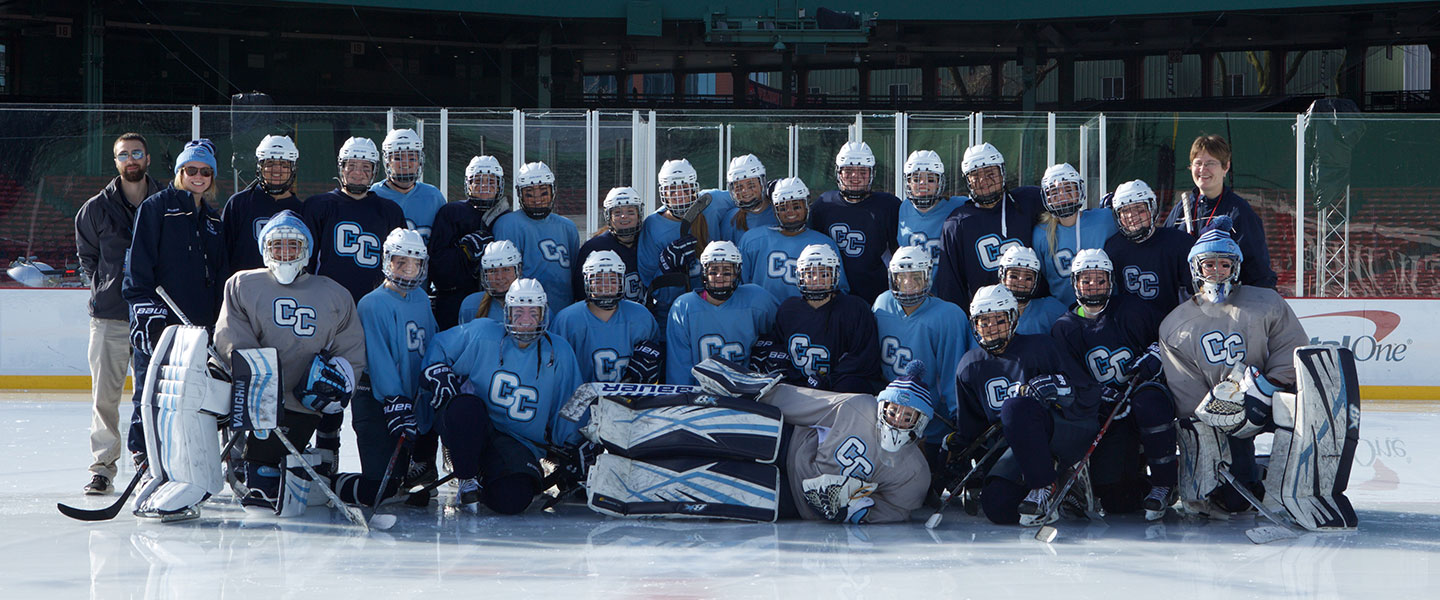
x=990, y=248
x=352, y=241
x=998, y=390
x=259, y=224
x=300, y=319
x=1220, y=348
x=852, y=243
x=713, y=345
x=423, y=231
x=519, y=401
x=851, y=456
x=1141, y=283
x=555, y=252
x=780, y=266
x=1062, y=260
x=1108, y=365
x=414, y=337
x=894, y=355
x=811, y=360
x=633, y=290
x=609, y=366
x=931, y=246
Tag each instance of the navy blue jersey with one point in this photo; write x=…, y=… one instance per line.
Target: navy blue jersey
x=863, y=231
x=180, y=247
x=350, y=236
x=983, y=381
x=1154, y=270
x=244, y=215
x=974, y=238
x=1249, y=231
x=1108, y=344
x=634, y=290
x=450, y=271
x=838, y=344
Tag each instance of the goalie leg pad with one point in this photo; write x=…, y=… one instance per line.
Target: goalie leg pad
x=1317, y=431
x=255, y=389
x=688, y=425
x=297, y=490
x=1202, y=449
x=180, y=427
x=684, y=487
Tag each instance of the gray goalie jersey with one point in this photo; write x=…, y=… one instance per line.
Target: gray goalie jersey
x=1201, y=341
x=836, y=434
x=311, y=314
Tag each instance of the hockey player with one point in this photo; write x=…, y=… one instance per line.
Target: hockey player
x=923, y=213
x=547, y=241
x=1020, y=273
x=520, y=376
x=1149, y=262
x=404, y=158
x=752, y=210
x=913, y=325
x=310, y=321
x=863, y=223
x=245, y=213
x=724, y=318
x=499, y=268
x=830, y=336
x=350, y=222
x=1212, y=197
x=1066, y=227
x=620, y=235
x=1045, y=402
x=605, y=328
x=459, y=235
x=1113, y=335
x=662, y=248
x=770, y=253
x=977, y=233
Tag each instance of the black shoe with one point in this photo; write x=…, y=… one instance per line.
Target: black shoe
x=420, y=474
x=99, y=486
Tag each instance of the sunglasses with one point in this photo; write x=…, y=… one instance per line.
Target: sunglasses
x=201, y=171
x=136, y=154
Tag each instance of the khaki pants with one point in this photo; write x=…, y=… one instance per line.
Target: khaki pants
x=109, y=361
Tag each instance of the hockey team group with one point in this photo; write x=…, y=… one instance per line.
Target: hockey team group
x=760, y=352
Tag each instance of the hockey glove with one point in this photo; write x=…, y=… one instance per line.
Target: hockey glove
x=768, y=357
x=645, y=362
x=328, y=386
x=399, y=414
x=441, y=383
x=473, y=244
x=1051, y=390
x=1111, y=395
x=838, y=498
x=1224, y=407
x=677, y=256
x=148, y=320
x=1147, y=367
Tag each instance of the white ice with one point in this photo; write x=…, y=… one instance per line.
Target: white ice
x=573, y=553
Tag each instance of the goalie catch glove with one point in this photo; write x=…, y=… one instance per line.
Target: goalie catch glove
x=838, y=498
x=328, y=386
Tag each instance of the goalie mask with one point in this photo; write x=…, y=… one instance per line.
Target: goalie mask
x=484, y=179
x=854, y=170
x=746, y=180
x=1093, y=276
x=720, y=269
x=357, y=160
x=1215, y=261
x=1134, y=205
x=406, y=260
x=1020, y=272
x=924, y=179
x=903, y=409
x=535, y=187
x=604, y=274
x=994, y=314
x=910, y=270
x=1064, y=190
x=404, y=155
x=791, y=200
x=679, y=186
x=285, y=246
x=500, y=266
x=275, y=159
x=984, y=170
x=525, y=310
x=819, y=270
x=622, y=212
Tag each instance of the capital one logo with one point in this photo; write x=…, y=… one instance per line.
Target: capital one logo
x=1340, y=328
x=852, y=243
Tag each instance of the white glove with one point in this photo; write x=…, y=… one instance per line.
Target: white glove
x=839, y=498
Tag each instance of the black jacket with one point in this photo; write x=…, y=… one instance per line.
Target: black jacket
x=103, y=228
x=182, y=249
x=1249, y=232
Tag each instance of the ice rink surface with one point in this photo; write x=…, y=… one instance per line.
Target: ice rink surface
x=574, y=553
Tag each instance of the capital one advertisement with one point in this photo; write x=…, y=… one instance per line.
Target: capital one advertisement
x=1396, y=342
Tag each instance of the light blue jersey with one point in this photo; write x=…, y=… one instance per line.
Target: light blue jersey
x=727, y=230
x=923, y=228
x=655, y=234
x=523, y=388
x=700, y=330
x=397, y=329
x=471, y=304
x=1039, y=316
x=1095, y=225
x=770, y=260
x=419, y=204
x=546, y=247
x=938, y=333
x=603, y=347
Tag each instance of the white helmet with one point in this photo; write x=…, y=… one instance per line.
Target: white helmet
x=925, y=161
x=818, y=256
x=499, y=254
x=525, y=293
x=1134, y=192
x=485, y=165
x=1062, y=200
x=285, y=225
x=990, y=299
x=721, y=251
x=978, y=157
x=1092, y=259
x=533, y=174
x=276, y=147
x=621, y=197
x=855, y=154
x=679, y=186
x=1020, y=257
x=745, y=167
x=357, y=148
x=910, y=259
x=791, y=189
x=600, y=263
x=406, y=243
x=403, y=140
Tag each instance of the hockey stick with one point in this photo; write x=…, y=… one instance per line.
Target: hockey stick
x=109, y=512
x=1185, y=208
x=379, y=521
x=1265, y=533
x=432, y=486
x=1047, y=533
x=958, y=488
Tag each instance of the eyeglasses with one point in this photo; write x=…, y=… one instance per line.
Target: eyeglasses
x=1209, y=164
x=136, y=154
x=201, y=171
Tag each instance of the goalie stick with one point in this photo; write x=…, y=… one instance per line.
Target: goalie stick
x=112, y=511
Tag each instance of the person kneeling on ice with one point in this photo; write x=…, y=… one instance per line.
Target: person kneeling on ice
x=1236, y=359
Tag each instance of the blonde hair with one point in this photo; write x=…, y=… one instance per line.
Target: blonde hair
x=208, y=193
